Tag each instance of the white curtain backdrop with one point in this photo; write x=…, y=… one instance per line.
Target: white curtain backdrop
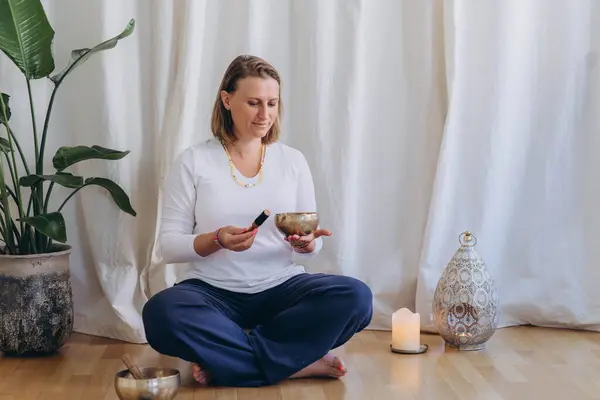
x=419, y=119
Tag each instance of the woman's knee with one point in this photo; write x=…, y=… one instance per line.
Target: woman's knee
x=159, y=317
x=155, y=308
x=358, y=297
x=363, y=297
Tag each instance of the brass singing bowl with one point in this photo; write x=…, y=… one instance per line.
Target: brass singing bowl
x=158, y=384
x=297, y=223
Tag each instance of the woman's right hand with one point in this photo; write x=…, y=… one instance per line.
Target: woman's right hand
x=236, y=239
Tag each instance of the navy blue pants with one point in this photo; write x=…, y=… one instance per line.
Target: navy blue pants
x=290, y=326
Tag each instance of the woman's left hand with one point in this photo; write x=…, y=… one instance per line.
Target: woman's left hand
x=306, y=244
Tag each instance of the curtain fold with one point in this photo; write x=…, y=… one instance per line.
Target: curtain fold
x=516, y=163
x=419, y=120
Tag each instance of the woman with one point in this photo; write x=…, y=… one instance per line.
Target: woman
x=246, y=313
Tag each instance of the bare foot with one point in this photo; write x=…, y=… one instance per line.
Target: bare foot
x=200, y=375
x=329, y=366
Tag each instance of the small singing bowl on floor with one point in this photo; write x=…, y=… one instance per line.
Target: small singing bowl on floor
x=297, y=223
x=158, y=384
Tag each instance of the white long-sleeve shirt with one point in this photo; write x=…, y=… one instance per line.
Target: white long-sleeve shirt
x=200, y=196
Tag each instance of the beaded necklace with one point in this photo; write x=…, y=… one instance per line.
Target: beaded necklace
x=260, y=171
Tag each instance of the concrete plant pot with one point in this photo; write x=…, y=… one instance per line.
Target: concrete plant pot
x=36, y=302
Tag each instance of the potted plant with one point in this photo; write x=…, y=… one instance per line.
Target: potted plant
x=36, y=306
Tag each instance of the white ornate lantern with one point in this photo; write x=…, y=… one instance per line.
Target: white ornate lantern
x=465, y=302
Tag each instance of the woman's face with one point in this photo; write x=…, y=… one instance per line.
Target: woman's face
x=254, y=106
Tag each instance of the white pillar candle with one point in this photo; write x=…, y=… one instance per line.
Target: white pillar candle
x=406, y=330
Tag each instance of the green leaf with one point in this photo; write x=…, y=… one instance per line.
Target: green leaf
x=26, y=37
x=80, y=56
x=63, y=179
x=117, y=193
x=5, y=145
x=4, y=108
x=51, y=224
x=66, y=156
x=8, y=237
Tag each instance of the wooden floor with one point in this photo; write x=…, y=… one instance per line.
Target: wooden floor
x=518, y=363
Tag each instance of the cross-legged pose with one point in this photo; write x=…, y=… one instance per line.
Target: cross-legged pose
x=246, y=313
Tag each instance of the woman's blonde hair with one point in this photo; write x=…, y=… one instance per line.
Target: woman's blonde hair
x=241, y=67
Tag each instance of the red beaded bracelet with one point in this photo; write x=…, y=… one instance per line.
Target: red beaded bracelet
x=215, y=239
